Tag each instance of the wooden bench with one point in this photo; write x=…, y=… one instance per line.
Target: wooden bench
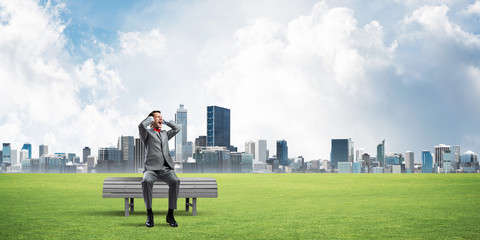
x=131, y=188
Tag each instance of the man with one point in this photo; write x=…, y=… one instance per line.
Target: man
x=158, y=163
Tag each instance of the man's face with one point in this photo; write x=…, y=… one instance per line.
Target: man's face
x=157, y=120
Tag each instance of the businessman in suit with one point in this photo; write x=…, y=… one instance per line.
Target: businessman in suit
x=158, y=163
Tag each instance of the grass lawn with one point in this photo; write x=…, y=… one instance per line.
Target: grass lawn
x=250, y=206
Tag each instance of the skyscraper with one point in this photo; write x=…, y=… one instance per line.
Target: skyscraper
x=261, y=151
x=181, y=138
x=342, y=151
x=85, y=153
x=282, y=152
x=218, y=126
x=139, y=155
x=42, y=150
x=23, y=154
x=439, y=150
x=28, y=147
x=250, y=148
x=6, y=153
x=126, y=145
x=427, y=162
x=409, y=162
x=381, y=153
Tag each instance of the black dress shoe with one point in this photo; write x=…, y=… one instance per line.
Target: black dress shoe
x=149, y=222
x=171, y=221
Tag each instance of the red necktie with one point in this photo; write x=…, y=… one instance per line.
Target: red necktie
x=157, y=129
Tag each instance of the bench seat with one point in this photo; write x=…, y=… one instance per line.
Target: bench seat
x=131, y=188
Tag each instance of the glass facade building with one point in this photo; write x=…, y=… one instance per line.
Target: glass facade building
x=28, y=147
x=6, y=153
x=282, y=153
x=342, y=151
x=218, y=126
x=181, y=137
x=381, y=153
x=427, y=162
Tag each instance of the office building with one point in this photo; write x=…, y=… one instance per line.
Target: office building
x=427, y=162
x=218, y=127
x=23, y=154
x=367, y=161
x=282, y=153
x=381, y=153
x=109, y=160
x=409, y=162
x=6, y=153
x=344, y=167
x=439, y=150
x=127, y=147
x=139, y=155
x=85, y=153
x=448, y=160
x=359, y=153
x=42, y=150
x=261, y=151
x=469, y=162
x=13, y=157
x=28, y=147
x=250, y=148
x=357, y=167
x=181, y=154
x=342, y=151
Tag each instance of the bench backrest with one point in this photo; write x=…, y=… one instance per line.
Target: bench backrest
x=131, y=187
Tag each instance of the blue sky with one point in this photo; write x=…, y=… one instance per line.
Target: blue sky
x=77, y=74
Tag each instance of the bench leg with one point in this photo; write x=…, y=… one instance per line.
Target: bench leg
x=131, y=204
x=126, y=207
x=187, y=204
x=194, y=207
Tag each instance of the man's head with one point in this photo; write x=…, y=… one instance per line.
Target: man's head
x=157, y=119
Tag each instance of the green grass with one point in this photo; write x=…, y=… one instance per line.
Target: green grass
x=250, y=206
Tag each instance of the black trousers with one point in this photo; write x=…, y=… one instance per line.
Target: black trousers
x=166, y=175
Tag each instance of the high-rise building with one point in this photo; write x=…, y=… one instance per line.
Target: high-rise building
x=456, y=150
x=409, y=162
x=28, y=147
x=23, y=154
x=85, y=153
x=42, y=150
x=181, y=137
x=110, y=160
x=261, y=151
x=366, y=159
x=282, y=153
x=127, y=146
x=359, y=153
x=342, y=151
x=381, y=153
x=439, y=150
x=139, y=155
x=6, y=153
x=469, y=162
x=71, y=157
x=469, y=157
x=250, y=148
x=218, y=126
x=13, y=157
x=427, y=162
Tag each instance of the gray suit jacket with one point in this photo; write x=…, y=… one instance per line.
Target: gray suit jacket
x=157, y=151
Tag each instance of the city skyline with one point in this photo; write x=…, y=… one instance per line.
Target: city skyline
x=82, y=74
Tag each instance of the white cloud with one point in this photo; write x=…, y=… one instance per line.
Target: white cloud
x=151, y=43
x=295, y=81
x=46, y=96
x=473, y=8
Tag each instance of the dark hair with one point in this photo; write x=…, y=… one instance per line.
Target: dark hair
x=154, y=111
